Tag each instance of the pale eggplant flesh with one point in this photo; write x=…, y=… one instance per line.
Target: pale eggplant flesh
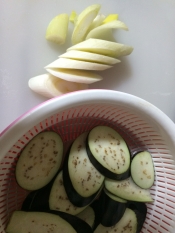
x=108, y=152
x=74, y=196
x=47, y=220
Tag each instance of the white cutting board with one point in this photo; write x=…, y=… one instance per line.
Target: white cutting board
x=149, y=72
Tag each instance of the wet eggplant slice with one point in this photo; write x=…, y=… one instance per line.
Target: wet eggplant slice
x=108, y=152
x=39, y=161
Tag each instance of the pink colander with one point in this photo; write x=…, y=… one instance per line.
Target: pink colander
x=142, y=125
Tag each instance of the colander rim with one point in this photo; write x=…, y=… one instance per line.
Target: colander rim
x=40, y=112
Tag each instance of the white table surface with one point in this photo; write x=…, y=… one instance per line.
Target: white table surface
x=149, y=72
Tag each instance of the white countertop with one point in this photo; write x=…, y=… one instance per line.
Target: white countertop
x=149, y=72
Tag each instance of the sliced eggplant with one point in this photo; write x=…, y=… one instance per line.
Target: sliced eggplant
x=51, y=197
x=82, y=180
x=128, y=190
x=114, y=197
x=108, y=152
x=142, y=169
x=85, y=178
x=58, y=199
x=78, y=224
x=127, y=224
x=44, y=222
x=140, y=210
x=98, y=207
x=75, y=198
x=87, y=215
x=39, y=161
x=35, y=222
x=112, y=210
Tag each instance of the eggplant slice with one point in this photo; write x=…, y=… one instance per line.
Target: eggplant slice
x=39, y=161
x=114, y=197
x=75, y=198
x=128, y=190
x=142, y=169
x=82, y=180
x=37, y=222
x=58, y=199
x=78, y=224
x=108, y=152
x=44, y=222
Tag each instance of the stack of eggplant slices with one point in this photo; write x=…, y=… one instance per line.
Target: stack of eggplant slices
x=99, y=186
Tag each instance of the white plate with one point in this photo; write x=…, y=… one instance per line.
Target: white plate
x=148, y=73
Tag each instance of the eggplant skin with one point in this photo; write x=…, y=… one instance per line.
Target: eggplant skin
x=111, y=211
x=38, y=200
x=98, y=214
x=140, y=210
x=139, y=206
x=128, y=223
x=27, y=203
